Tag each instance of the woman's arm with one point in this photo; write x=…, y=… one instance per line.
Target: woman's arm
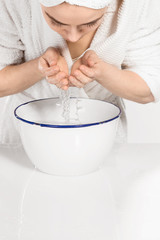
x=51, y=65
x=123, y=83
x=16, y=78
x=139, y=78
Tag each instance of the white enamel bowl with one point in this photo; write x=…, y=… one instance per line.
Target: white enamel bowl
x=59, y=149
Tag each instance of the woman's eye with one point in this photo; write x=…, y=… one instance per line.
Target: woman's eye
x=56, y=23
x=91, y=24
x=87, y=25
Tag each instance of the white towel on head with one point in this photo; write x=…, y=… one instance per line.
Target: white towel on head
x=95, y=4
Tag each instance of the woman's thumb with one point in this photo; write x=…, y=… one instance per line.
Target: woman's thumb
x=90, y=58
x=42, y=64
x=51, y=56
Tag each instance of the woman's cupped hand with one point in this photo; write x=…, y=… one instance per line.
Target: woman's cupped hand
x=55, y=69
x=86, y=69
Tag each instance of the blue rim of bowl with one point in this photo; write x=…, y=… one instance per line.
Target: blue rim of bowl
x=64, y=126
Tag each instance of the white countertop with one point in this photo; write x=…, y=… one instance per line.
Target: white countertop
x=121, y=201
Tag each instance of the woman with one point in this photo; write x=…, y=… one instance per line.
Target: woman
x=110, y=49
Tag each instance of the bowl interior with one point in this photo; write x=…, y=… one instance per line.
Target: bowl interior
x=50, y=111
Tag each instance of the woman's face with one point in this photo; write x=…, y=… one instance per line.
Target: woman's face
x=73, y=22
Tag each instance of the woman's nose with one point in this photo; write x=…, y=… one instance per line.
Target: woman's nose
x=73, y=35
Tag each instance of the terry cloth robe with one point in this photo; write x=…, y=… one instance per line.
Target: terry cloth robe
x=129, y=38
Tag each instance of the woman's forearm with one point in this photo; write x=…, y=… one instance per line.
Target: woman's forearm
x=125, y=84
x=16, y=78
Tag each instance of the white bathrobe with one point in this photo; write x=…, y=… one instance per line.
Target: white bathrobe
x=128, y=38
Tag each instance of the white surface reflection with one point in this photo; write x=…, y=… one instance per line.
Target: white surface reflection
x=67, y=208
x=118, y=202
x=52, y=207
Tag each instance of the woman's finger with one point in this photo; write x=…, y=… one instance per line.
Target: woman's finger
x=76, y=82
x=90, y=58
x=87, y=71
x=82, y=77
x=63, y=82
x=60, y=76
x=51, y=56
x=52, y=71
x=56, y=79
x=51, y=80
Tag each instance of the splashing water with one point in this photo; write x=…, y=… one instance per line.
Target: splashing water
x=69, y=112
x=65, y=99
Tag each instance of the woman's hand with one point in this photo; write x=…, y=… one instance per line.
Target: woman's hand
x=54, y=68
x=86, y=69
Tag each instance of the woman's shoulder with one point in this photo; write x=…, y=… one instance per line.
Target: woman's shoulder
x=142, y=12
x=15, y=11
x=147, y=11
x=14, y=6
x=15, y=3
x=151, y=12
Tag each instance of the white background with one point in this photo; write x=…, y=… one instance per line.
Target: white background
x=143, y=122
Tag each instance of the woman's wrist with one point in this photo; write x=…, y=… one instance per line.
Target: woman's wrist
x=125, y=84
x=37, y=69
x=106, y=72
x=16, y=78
